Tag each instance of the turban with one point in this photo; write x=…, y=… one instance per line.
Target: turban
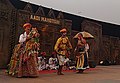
x=63, y=30
x=27, y=24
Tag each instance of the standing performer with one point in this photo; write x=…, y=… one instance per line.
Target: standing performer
x=62, y=47
x=86, y=64
x=79, y=52
x=23, y=62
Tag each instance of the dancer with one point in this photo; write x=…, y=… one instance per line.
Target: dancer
x=23, y=62
x=79, y=53
x=62, y=48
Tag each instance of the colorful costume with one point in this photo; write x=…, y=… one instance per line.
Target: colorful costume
x=24, y=59
x=79, y=52
x=62, y=47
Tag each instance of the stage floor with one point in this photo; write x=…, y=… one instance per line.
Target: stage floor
x=100, y=74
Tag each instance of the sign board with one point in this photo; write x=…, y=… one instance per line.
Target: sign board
x=45, y=19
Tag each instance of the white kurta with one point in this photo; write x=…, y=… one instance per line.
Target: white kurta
x=86, y=47
x=52, y=63
x=22, y=37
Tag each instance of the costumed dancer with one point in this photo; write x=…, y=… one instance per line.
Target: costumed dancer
x=62, y=48
x=79, y=53
x=23, y=62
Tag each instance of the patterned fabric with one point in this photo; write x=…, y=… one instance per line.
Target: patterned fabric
x=80, y=51
x=62, y=59
x=24, y=60
x=80, y=61
x=63, y=46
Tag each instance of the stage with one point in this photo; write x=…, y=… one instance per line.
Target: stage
x=100, y=74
